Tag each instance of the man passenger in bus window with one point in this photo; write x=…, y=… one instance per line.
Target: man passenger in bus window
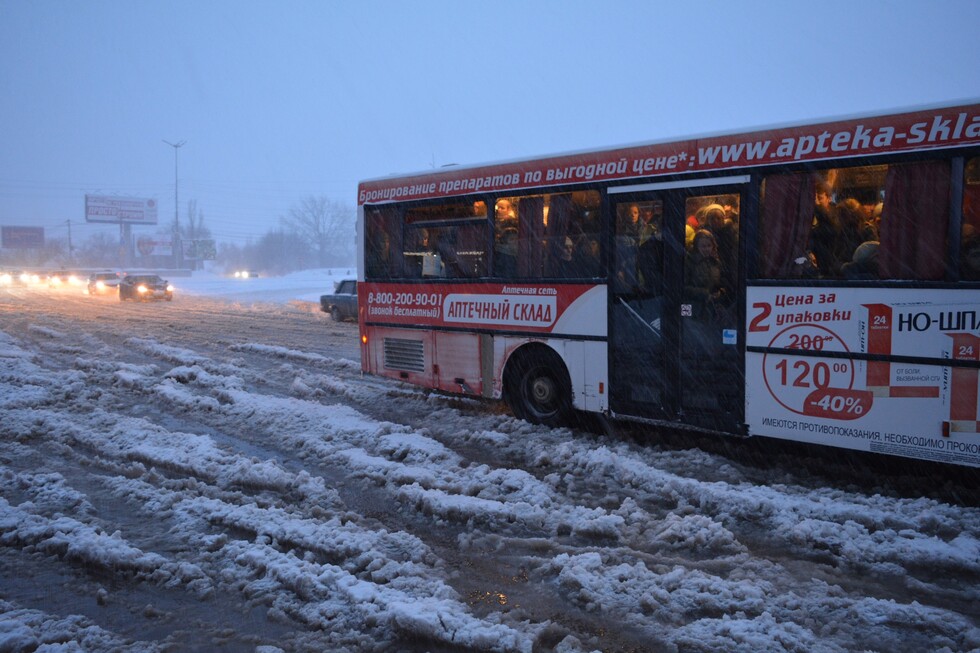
x=565, y=266
x=634, y=219
x=446, y=246
x=591, y=266
x=730, y=204
x=626, y=233
x=825, y=233
x=505, y=254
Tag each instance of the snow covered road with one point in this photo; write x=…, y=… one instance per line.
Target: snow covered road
x=211, y=475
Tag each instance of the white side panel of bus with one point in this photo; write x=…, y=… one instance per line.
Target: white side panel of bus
x=587, y=367
x=585, y=360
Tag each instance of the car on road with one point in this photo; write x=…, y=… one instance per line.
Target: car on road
x=63, y=279
x=102, y=283
x=145, y=287
x=342, y=303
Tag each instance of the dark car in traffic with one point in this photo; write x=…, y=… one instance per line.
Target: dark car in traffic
x=342, y=303
x=145, y=287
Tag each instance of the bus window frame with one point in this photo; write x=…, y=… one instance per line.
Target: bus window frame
x=957, y=161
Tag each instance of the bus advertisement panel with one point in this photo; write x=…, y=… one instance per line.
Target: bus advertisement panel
x=856, y=137
x=564, y=309
x=896, y=397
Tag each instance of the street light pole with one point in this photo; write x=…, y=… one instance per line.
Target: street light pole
x=176, y=244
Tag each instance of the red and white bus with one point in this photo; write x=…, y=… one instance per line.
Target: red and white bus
x=817, y=283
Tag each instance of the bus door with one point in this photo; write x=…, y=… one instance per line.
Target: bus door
x=677, y=294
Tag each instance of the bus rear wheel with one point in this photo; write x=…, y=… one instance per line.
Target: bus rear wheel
x=538, y=388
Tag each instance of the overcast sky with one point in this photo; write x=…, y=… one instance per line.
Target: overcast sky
x=281, y=100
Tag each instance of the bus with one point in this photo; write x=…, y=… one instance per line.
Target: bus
x=818, y=283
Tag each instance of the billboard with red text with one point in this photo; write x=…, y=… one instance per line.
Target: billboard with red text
x=120, y=210
x=22, y=237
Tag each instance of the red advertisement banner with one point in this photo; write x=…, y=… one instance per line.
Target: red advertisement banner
x=920, y=130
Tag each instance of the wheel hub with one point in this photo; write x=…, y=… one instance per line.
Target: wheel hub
x=542, y=390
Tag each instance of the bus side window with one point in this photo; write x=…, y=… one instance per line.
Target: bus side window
x=554, y=235
x=384, y=240
x=416, y=248
x=888, y=222
x=505, y=230
x=970, y=241
x=572, y=247
x=915, y=221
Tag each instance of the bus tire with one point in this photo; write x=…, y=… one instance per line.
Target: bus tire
x=538, y=387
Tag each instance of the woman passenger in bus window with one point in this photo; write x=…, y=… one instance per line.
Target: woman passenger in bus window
x=712, y=217
x=504, y=214
x=704, y=284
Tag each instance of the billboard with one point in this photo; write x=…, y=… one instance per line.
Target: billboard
x=22, y=237
x=154, y=246
x=120, y=210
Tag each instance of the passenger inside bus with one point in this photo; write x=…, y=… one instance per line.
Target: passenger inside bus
x=712, y=217
x=904, y=207
x=590, y=258
x=854, y=228
x=825, y=232
x=446, y=248
x=566, y=267
x=627, y=234
x=864, y=263
x=505, y=253
x=704, y=284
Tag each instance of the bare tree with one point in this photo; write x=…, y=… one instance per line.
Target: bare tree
x=327, y=226
x=100, y=249
x=194, y=227
x=279, y=252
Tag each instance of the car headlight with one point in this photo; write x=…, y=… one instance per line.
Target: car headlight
x=100, y=285
x=141, y=288
x=170, y=288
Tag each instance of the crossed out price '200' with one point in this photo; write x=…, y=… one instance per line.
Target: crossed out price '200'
x=793, y=380
x=404, y=298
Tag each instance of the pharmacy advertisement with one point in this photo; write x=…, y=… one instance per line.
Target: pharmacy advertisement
x=883, y=370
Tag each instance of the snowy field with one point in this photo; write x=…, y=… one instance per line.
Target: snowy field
x=306, y=286
x=216, y=475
